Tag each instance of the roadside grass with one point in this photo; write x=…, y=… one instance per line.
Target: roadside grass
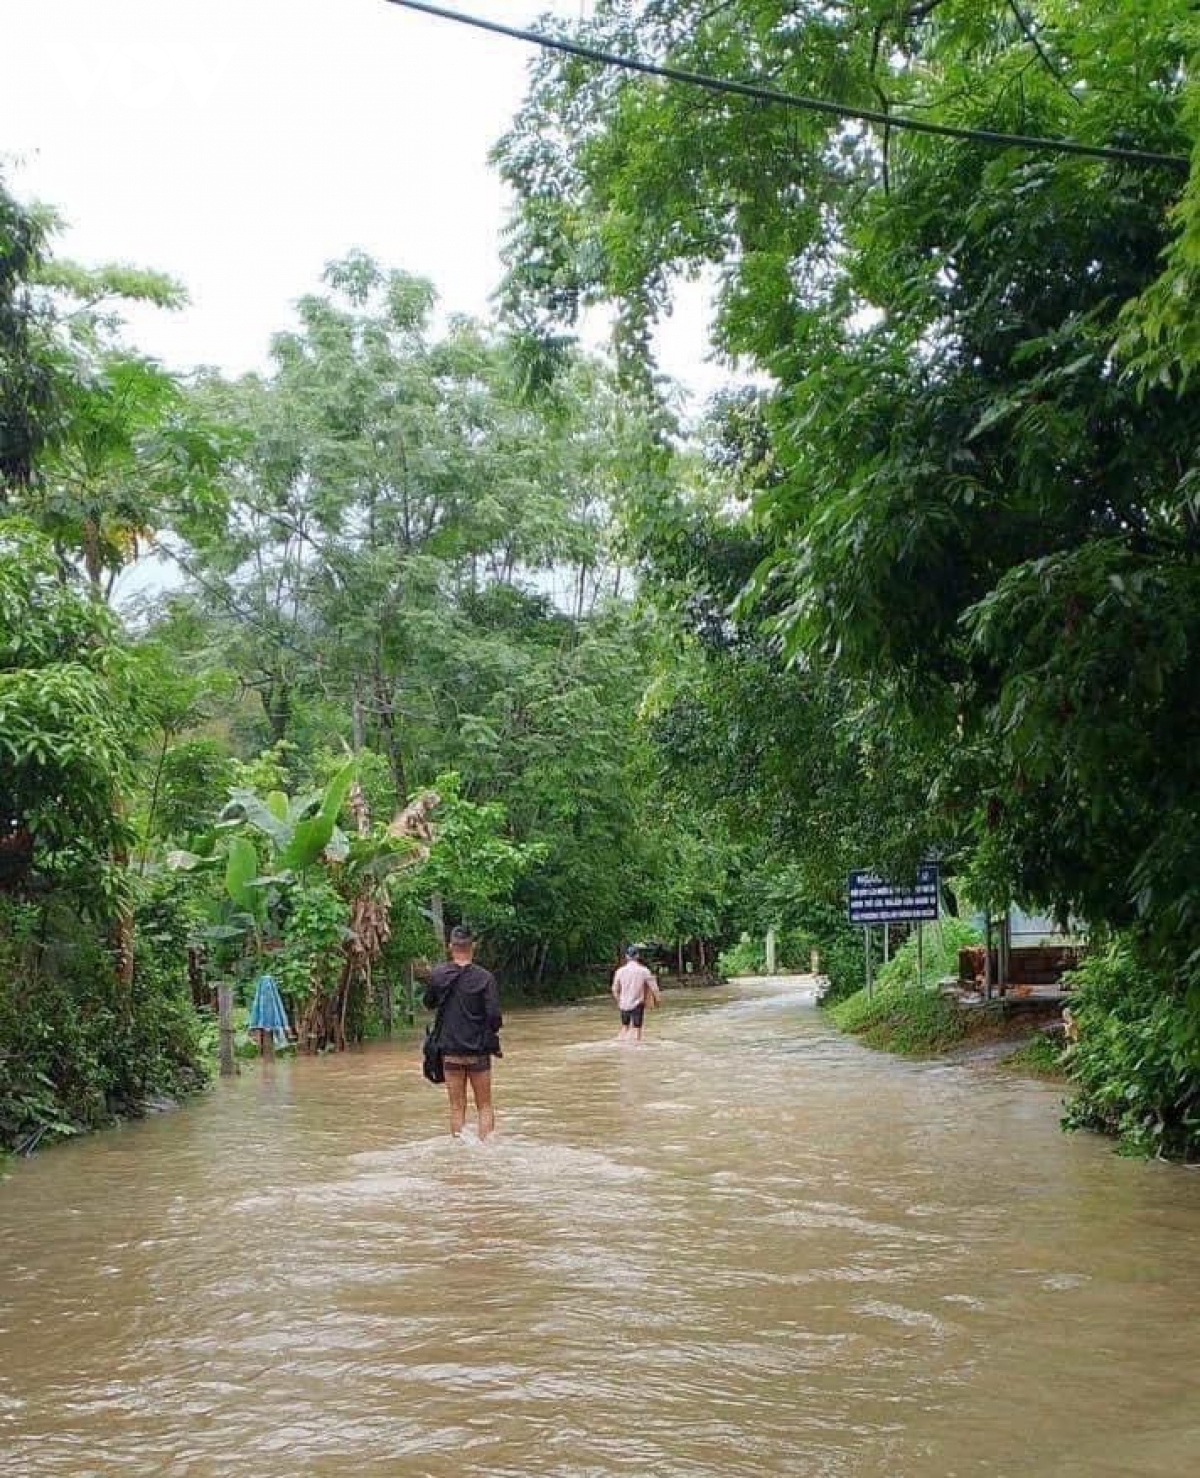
x=914, y=1022
x=925, y=1023
x=1037, y=1058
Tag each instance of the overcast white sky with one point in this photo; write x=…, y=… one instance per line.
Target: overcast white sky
x=241, y=144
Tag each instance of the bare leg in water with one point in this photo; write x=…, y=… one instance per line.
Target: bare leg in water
x=456, y=1092
x=481, y=1087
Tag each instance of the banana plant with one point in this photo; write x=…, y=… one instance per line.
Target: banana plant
x=299, y=833
x=273, y=850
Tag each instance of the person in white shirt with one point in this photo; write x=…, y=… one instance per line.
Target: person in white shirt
x=633, y=985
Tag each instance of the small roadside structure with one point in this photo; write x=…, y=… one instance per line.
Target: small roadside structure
x=1024, y=957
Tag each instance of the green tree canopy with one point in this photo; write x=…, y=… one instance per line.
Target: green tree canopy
x=972, y=506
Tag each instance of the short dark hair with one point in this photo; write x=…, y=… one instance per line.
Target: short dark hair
x=461, y=934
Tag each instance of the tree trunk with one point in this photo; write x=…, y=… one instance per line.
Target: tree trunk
x=197, y=982
x=277, y=704
x=358, y=726
x=391, y=737
x=124, y=928
x=91, y=555
x=225, y=1029
x=154, y=789
x=386, y=1005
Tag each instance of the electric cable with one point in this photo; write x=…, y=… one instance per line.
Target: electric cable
x=1112, y=153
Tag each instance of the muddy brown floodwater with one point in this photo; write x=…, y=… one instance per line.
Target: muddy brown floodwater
x=749, y=1247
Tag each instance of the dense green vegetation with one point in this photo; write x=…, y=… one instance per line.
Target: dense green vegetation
x=464, y=623
x=1134, y=1061
x=393, y=681
x=955, y=538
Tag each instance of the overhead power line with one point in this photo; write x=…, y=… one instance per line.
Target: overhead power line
x=1113, y=154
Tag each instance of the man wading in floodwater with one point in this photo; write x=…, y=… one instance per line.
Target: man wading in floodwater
x=467, y=1000
x=631, y=986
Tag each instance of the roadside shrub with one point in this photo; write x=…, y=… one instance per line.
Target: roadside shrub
x=747, y=957
x=76, y=1048
x=940, y=946
x=841, y=949
x=1137, y=1060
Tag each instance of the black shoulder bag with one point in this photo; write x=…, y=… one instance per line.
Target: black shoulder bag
x=431, y=1065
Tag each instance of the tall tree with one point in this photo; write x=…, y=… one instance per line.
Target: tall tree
x=388, y=478
x=970, y=502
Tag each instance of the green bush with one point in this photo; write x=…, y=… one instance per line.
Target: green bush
x=940, y=945
x=841, y=949
x=76, y=1048
x=747, y=957
x=1137, y=1060
x=195, y=773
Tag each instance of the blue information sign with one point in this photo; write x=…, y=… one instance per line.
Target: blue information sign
x=873, y=901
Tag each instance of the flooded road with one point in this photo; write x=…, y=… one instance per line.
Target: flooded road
x=750, y=1247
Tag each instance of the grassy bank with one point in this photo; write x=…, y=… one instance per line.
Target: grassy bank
x=1037, y=1058
x=922, y=1022
x=905, y=1012
x=911, y=1015
x=916, y=1023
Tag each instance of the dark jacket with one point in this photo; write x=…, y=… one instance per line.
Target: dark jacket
x=471, y=1018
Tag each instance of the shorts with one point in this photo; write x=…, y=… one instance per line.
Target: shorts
x=634, y=1017
x=467, y=1062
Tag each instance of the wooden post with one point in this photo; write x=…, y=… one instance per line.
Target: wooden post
x=225, y=1028
x=387, y=1003
x=770, y=951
